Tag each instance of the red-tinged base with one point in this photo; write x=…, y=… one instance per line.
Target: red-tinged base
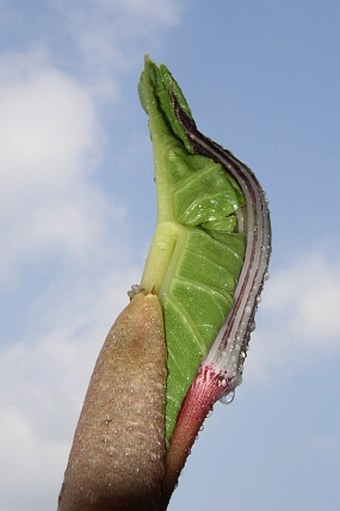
x=206, y=389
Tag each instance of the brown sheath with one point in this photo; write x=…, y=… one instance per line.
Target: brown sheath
x=117, y=458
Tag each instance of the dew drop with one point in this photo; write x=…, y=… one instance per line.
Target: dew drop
x=135, y=289
x=252, y=327
x=153, y=456
x=248, y=309
x=243, y=355
x=228, y=397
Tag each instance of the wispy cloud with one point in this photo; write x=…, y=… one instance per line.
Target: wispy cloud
x=109, y=36
x=50, y=139
x=299, y=326
x=308, y=295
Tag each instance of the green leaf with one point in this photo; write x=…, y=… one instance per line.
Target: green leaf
x=197, y=253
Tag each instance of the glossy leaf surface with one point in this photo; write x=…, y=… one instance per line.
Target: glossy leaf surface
x=198, y=247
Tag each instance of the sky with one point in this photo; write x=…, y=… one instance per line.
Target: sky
x=78, y=211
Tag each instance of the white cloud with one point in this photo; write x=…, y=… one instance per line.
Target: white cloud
x=47, y=118
x=308, y=295
x=113, y=35
x=24, y=477
x=50, y=143
x=299, y=323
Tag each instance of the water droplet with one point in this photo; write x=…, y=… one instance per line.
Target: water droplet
x=228, y=397
x=135, y=289
x=266, y=275
x=153, y=456
x=248, y=309
x=252, y=327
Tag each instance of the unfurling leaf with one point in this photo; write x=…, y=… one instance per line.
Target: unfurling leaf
x=203, y=277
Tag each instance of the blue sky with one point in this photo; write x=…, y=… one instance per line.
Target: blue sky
x=78, y=211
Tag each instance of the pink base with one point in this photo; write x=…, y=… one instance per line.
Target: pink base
x=206, y=389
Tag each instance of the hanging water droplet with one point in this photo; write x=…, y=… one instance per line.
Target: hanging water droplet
x=252, y=327
x=266, y=276
x=228, y=397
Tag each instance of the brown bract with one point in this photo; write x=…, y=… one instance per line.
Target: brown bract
x=117, y=458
